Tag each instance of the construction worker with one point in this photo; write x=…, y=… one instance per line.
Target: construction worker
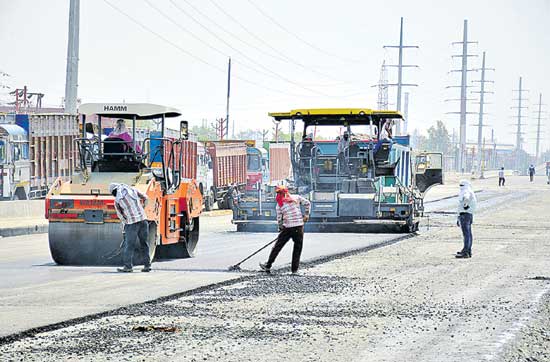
x=466, y=207
x=501, y=179
x=385, y=135
x=531, y=172
x=129, y=204
x=291, y=226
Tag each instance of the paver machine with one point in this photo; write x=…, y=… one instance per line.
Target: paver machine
x=84, y=228
x=363, y=184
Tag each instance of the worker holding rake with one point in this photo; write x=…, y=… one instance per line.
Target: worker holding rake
x=291, y=226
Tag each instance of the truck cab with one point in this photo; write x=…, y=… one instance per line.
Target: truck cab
x=205, y=176
x=257, y=172
x=14, y=163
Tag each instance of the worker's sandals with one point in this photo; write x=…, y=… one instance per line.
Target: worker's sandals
x=264, y=268
x=124, y=270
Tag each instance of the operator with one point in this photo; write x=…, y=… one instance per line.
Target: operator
x=130, y=211
x=385, y=135
x=121, y=131
x=343, y=146
x=531, y=172
x=291, y=226
x=466, y=207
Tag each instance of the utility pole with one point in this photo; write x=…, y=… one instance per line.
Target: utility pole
x=519, y=116
x=71, y=80
x=539, y=118
x=463, y=96
x=480, y=125
x=400, y=67
x=227, y=104
x=406, y=113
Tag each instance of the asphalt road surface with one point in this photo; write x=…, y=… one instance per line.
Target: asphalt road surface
x=410, y=300
x=34, y=291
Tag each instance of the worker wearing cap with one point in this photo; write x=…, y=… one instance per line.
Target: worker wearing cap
x=130, y=211
x=466, y=207
x=291, y=226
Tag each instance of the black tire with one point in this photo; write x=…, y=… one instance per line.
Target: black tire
x=209, y=201
x=222, y=204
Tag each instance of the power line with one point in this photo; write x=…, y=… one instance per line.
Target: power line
x=191, y=55
x=282, y=57
x=276, y=75
x=309, y=44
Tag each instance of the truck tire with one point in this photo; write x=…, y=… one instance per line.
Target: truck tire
x=209, y=201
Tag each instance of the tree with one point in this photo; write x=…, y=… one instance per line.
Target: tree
x=439, y=139
x=419, y=141
x=204, y=132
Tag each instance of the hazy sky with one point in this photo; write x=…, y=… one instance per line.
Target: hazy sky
x=325, y=54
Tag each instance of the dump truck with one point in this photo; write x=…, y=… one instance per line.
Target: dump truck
x=35, y=150
x=84, y=228
x=362, y=185
x=279, y=163
x=229, y=164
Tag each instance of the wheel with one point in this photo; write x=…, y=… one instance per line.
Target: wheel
x=222, y=204
x=209, y=201
x=187, y=245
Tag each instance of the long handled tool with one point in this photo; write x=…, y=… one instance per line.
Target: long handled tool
x=237, y=267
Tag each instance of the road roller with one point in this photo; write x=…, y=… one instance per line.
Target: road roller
x=84, y=228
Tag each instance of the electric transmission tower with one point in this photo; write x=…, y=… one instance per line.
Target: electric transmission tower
x=482, y=91
x=463, y=94
x=400, y=67
x=3, y=86
x=383, y=87
x=539, y=114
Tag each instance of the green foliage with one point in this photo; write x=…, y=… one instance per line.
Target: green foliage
x=204, y=133
x=438, y=139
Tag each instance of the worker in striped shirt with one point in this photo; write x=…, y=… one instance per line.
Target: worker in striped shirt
x=129, y=207
x=291, y=226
